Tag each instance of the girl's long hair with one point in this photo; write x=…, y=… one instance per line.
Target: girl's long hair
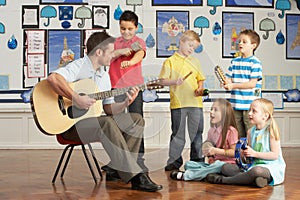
x=227, y=115
x=268, y=107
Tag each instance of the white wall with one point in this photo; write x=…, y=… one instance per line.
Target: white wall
x=271, y=54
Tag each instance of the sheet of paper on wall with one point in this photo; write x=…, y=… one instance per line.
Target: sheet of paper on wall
x=98, y=2
x=36, y=66
x=4, y=82
x=30, y=17
x=36, y=41
x=28, y=82
x=275, y=97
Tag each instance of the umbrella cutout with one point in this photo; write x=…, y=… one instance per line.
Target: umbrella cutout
x=2, y=2
x=282, y=5
x=83, y=13
x=266, y=25
x=2, y=28
x=201, y=22
x=48, y=12
x=134, y=3
x=214, y=3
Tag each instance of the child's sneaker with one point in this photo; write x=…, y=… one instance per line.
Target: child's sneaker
x=177, y=175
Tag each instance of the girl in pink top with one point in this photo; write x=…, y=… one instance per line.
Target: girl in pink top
x=223, y=135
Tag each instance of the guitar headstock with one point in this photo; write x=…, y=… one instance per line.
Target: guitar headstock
x=154, y=84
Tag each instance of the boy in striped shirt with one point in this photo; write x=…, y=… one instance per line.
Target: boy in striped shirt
x=244, y=79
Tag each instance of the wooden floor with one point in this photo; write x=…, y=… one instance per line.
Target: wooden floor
x=27, y=174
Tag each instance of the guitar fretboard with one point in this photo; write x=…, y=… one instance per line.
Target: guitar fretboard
x=114, y=92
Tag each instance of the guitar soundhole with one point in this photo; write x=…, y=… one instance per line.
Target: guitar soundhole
x=74, y=112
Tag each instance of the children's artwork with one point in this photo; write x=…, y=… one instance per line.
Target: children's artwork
x=30, y=16
x=250, y=3
x=293, y=36
x=63, y=47
x=282, y=5
x=233, y=24
x=214, y=4
x=271, y=82
x=297, y=81
x=48, y=12
x=170, y=25
x=83, y=13
x=286, y=82
x=275, y=97
x=2, y=28
x=201, y=23
x=176, y=2
x=134, y=3
x=210, y=82
x=63, y=1
x=101, y=17
x=4, y=82
x=292, y=95
x=266, y=25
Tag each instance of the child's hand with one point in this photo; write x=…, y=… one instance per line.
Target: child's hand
x=178, y=81
x=211, y=159
x=125, y=51
x=125, y=64
x=209, y=151
x=249, y=152
x=228, y=86
x=201, y=92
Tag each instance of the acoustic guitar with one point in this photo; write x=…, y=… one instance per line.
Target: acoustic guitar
x=54, y=114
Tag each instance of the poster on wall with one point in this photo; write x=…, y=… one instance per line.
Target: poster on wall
x=63, y=1
x=30, y=16
x=250, y=3
x=292, y=36
x=176, y=2
x=170, y=26
x=64, y=46
x=101, y=17
x=233, y=24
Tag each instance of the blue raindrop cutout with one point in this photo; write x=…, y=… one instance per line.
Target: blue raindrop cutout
x=217, y=29
x=199, y=49
x=150, y=42
x=118, y=12
x=12, y=42
x=280, y=39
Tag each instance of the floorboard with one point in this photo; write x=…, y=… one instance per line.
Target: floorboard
x=27, y=174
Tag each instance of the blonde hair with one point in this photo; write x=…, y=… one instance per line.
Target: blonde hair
x=268, y=107
x=190, y=35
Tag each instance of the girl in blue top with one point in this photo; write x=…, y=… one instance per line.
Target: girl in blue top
x=264, y=139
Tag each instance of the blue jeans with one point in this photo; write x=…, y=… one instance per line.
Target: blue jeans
x=194, y=118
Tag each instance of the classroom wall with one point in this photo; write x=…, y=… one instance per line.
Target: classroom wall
x=272, y=55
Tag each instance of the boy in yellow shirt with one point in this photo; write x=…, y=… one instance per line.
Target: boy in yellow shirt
x=185, y=99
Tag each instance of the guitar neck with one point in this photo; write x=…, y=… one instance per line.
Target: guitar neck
x=114, y=92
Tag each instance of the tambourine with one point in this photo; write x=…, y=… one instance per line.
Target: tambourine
x=243, y=162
